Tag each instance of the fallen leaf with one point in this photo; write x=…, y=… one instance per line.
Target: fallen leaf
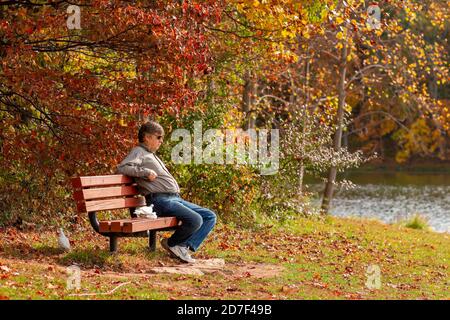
x=231, y=289
x=52, y=286
x=5, y=268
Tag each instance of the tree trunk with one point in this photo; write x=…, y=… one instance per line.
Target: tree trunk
x=433, y=89
x=305, y=125
x=211, y=90
x=329, y=187
x=300, y=180
x=248, y=100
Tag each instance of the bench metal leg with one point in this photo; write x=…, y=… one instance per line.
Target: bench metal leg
x=112, y=243
x=152, y=240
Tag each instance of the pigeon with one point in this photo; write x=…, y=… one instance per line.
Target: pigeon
x=63, y=241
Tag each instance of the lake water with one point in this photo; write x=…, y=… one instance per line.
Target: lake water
x=394, y=196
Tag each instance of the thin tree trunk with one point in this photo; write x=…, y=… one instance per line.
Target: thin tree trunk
x=433, y=89
x=305, y=126
x=211, y=90
x=329, y=187
x=300, y=179
x=248, y=100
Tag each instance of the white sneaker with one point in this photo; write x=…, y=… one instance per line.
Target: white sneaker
x=178, y=251
x=182, y=253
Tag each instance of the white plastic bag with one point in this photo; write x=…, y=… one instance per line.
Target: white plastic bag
x=145, y=212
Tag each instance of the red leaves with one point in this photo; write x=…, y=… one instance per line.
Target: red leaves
x=224, y=246
x=87, y=130
x=71, y=104
x=156, y=20
x=4, y=24
x=201, y=67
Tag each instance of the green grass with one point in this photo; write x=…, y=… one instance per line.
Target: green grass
x=314, y=258
x=417, y=222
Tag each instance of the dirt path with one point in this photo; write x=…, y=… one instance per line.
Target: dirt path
x=225, y=277
x=199, y=268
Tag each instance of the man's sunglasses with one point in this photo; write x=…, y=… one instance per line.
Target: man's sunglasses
x=159, y=137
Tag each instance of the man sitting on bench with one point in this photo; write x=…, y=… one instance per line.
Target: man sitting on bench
x=161, y=189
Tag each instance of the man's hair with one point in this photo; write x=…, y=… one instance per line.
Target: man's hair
x=150, y=127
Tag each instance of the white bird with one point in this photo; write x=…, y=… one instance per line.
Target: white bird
x=63, y=241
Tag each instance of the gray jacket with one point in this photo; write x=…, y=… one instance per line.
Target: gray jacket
x=138, y=164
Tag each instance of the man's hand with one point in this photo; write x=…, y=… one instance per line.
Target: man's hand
x=152, y=176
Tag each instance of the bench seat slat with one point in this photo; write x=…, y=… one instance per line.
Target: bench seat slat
x=116, y=226
x=137, y=224
x=149, y=224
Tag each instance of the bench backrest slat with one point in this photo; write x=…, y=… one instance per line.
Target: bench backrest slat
x=98, y=181
x=108, y=204
x=96, y=193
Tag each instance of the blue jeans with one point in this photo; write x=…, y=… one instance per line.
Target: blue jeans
x=196, y=222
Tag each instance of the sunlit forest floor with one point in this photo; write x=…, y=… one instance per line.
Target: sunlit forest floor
x=305, y=258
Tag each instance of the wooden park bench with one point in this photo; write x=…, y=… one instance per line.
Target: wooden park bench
x=98, y=193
